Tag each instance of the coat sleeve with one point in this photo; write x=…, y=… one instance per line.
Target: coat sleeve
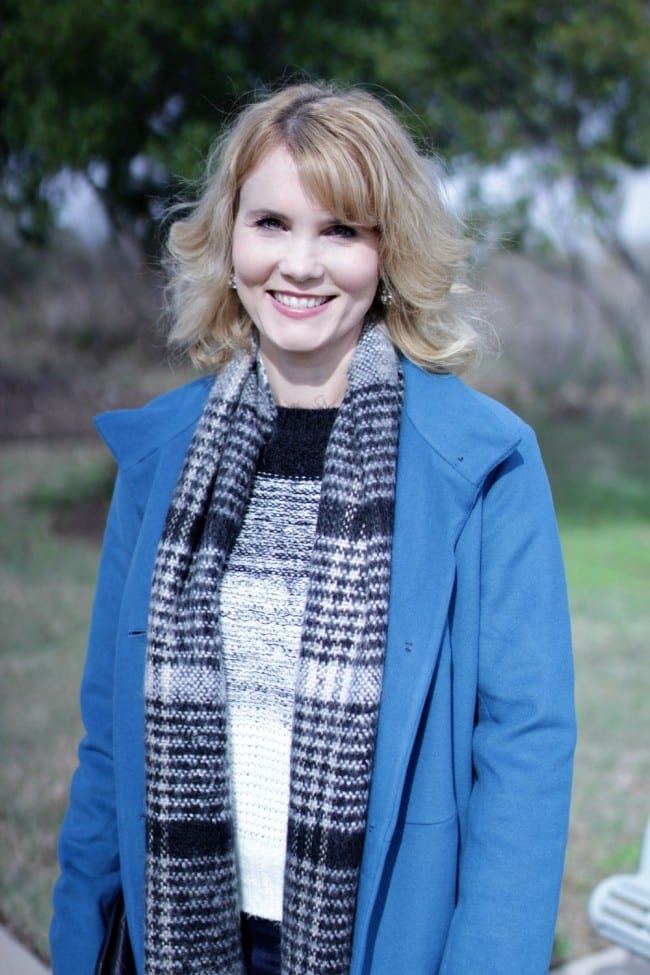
x=514, y=836
x=88, y=846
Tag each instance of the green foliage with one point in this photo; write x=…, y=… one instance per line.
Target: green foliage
x=563, y=74
x=564, y=80
x=89, y=82
x=111, y=82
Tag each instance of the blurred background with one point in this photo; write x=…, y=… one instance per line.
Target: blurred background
x=537, y=114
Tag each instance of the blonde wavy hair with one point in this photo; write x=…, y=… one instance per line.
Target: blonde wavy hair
x=357, y=161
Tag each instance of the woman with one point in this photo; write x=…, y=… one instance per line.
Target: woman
x=328, y=694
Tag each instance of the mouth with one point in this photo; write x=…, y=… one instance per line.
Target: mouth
x=300, y=302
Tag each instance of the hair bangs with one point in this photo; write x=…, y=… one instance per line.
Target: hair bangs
x=338, y=181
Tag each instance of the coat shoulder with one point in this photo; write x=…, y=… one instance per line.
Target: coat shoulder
x=468, y=429
x=133, y=434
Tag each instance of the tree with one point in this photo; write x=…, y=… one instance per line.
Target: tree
x=132, y=92
x=567, y=82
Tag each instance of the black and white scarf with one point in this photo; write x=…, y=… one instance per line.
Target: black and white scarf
x=192, y=920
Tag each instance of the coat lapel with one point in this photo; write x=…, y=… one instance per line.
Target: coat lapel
x=431, y=505
x=442, y=464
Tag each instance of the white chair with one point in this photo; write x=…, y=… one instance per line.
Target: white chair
x=619, y=908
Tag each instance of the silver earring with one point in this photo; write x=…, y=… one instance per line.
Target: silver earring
x=232, y=281
x=385, y=295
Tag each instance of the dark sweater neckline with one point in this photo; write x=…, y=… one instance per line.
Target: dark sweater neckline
x=296, y=448
x=301, y=414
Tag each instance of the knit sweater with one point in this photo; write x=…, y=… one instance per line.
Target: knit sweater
x=262, y=602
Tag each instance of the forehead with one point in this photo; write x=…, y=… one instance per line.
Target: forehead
x=276, y=170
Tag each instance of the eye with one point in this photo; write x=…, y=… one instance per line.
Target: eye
x=341, y=230
x=269, y=223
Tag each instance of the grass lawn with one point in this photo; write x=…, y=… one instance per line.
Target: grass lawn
x=46, y=587
x=599, y=475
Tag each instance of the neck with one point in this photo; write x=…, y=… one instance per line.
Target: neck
x=309, y=386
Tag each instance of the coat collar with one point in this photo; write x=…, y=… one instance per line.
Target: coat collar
x=471, y=432
x=133, y=435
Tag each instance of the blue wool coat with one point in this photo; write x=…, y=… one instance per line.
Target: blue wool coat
x=468, y=810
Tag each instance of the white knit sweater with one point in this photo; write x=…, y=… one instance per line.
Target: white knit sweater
x=262, y=602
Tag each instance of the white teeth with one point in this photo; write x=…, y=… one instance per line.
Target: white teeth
x=292, y=301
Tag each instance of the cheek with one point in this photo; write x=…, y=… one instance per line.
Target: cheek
x=248, y=260
x=360, y=277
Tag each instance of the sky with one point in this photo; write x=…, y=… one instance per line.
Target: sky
x=635, y=216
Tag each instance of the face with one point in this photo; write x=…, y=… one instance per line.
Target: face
x=305, y=278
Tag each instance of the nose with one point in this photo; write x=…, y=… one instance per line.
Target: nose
x=300, y=259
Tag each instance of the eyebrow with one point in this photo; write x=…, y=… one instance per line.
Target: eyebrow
x=260, y=212
x=265, y=212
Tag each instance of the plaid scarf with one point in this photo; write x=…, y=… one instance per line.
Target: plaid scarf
x=192, y=914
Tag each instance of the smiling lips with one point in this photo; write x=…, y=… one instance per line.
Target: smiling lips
x=299, y=303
